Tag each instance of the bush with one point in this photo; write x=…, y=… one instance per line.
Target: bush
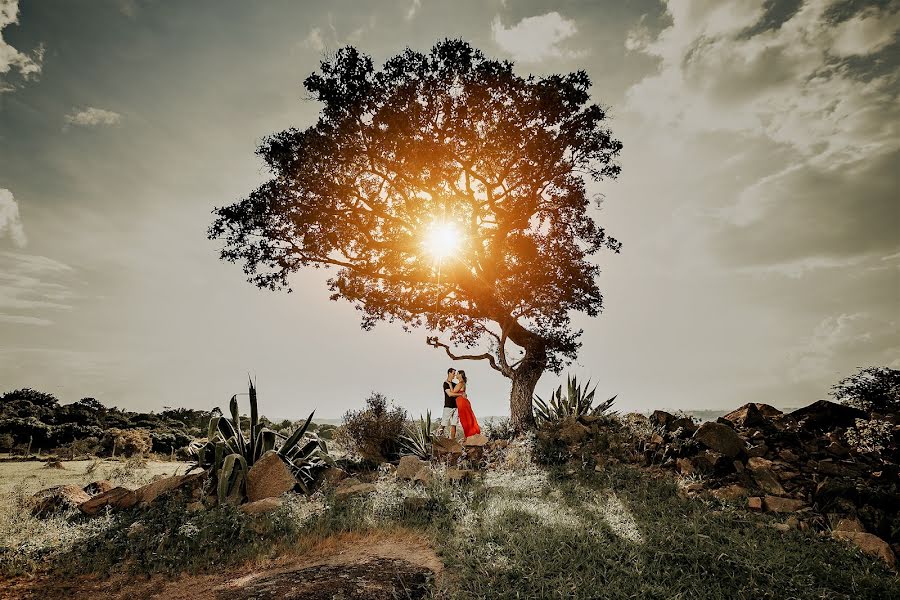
x=128, y=442
x=873, y=389
x=373, y=432
x=7, y=442
x=500, y=429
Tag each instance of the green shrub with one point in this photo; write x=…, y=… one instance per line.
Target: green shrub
x=374, y=431
x=228, y=455
x=576, y=402
x=417, y=437
x=127, y=442
x=873, y=389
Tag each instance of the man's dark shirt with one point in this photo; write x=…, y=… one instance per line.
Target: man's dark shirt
x=449, y=401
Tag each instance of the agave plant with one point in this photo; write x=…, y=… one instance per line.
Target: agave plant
x=576, y=402
x=416, y=439
x=228, y=455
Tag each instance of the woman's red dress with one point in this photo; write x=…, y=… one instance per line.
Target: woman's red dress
x=466, y=416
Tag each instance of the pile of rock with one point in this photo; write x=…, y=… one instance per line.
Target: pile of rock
x=797, y=463
x=267, y=481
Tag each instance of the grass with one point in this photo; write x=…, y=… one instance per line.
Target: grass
x=527, y=533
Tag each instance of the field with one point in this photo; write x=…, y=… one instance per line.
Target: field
x=516, y=532
x=31, y=476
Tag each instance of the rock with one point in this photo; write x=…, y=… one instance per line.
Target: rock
x=778, y=504
x=57, y=500
x=264, y=506
x=686, y=424
x=788, y=456
x=768, y=482
x=684, y=466
x=720, y=438
x=838, y=469
x=754, y=503
x=825, y=415
x=116, y=498
x=730, y=492
x=758, y=450
x=270, y=477
x=153, y=490
x=353, y=487
x=458, y=475
x=661, y=418
x=334, y=474
x=476, y=440
x=571, y=431
x=755, y=463
x=850, y=524
x=870, y=544
x=837, y=449
x=443, y=447
x=710, y=461
x=746, y=416
x=97, y=487
x=423, y=476
x=409, y=466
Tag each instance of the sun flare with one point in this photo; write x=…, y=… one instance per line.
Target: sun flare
x=442, y=240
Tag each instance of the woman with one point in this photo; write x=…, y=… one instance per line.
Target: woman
x=464, y=407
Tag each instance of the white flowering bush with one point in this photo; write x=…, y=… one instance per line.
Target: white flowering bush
x=869, y=435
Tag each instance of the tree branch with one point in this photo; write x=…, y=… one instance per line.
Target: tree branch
x=436, y=343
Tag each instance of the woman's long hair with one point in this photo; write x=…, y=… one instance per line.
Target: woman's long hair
x=463, y=375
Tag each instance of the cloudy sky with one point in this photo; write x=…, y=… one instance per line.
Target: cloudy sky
x=758, y=202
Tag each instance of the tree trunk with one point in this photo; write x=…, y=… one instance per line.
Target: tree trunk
x=521, y=397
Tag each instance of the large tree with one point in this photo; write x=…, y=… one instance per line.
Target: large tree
x=449, y=193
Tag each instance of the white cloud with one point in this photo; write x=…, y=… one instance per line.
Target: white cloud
x=787, y=83
x=10, y=222
x=413, y=9
x=534, y=39
x=29, y=283
x=27, y=66
x=90, y=117
x=314, y=40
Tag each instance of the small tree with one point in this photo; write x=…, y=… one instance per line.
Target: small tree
x=871, y=389
x=373, y=432
x=448, y=192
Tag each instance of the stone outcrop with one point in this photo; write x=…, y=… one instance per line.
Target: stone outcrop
x=57, y=500
x=270, y=477
x=117, y=498
x=720, y=438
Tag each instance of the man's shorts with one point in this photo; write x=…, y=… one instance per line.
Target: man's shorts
x=450, y=417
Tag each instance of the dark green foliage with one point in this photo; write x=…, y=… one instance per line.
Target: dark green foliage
x=374, y=431
x=417, y=437
x=576, y=402
x=228, y=455
x=28, y=414
x=873, y=389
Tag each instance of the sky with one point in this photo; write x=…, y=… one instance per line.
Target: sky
x=757, y=205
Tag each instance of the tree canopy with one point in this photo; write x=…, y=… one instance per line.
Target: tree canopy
x=450, y=139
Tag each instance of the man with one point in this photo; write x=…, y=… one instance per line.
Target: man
x=450, y=416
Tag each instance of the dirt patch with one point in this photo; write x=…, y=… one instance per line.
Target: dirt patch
x=395, y=564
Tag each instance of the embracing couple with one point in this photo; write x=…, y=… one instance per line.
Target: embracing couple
x=457, y=408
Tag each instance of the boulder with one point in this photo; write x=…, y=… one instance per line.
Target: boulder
x=153, y=490
x=720, y=438
x=409, y=467
x=571, y=431
x=850, y=524
x=334, y=474
x=116, y=498
x=788, y=456
x=767, y=481
x=686, y=424
x=730, y=492
x=755, y=463
x=269, y=477
x=870, y=544
x=746, y=416
x=661, y=418
x=260, y=507
x=684, y=465
x=476, y=440
x=754, y=503
x=777, y=504
x=443, y=447
x=759, y=450
x=824, y=415
x=57, y=500
x=710, y=461
x=97, y=487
